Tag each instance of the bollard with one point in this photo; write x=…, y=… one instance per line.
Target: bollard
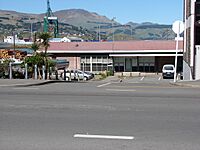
x=70, y=76
x=10, y=70
x=35, y=71
x=43, y=72
x=26, y=71
x=64, y=74
x=56, y=73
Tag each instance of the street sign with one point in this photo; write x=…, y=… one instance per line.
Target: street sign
x=178, y=27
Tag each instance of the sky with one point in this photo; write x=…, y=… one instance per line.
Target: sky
x=138, y=11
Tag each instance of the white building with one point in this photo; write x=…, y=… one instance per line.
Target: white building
x=66, y=39
x=15, y=39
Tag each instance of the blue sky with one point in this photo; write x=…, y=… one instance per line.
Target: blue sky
x=157, y=11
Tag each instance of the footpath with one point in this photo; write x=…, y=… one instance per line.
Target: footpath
x=193, y=83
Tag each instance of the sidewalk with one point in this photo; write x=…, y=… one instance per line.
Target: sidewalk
x=193, y=83
x=32, y=82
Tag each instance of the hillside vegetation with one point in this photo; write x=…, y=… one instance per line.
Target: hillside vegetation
x=82, y=23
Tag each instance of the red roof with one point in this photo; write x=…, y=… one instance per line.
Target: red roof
x=116, y=46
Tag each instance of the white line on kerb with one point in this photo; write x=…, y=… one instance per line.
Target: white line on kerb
x=103, y=137
x=104, y=84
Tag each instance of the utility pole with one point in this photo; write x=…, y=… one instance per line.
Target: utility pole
x=113, y=32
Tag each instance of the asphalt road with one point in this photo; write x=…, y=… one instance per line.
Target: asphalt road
x=151, y=115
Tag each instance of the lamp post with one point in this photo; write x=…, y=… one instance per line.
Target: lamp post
x=113, y=37
x=99, y=33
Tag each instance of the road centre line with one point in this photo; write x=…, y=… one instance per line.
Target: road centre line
x=103, y=137
x=103, y=84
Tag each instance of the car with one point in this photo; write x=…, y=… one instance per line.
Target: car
x=76, y=75
x=89, y=74
x=168, y=71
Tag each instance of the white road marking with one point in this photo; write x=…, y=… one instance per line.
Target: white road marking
x=159, y=78
x=103, y=84
x=121, y=90
x=142, y=79
x=103, y=137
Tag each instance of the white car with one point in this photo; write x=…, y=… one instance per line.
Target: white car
x=75, y=75
x=168, y=71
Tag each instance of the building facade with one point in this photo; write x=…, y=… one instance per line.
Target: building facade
x=126, y=56
x=191, y=56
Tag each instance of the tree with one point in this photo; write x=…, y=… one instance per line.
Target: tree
x=4, y=68
x=44, y=39
x=35, y=46
x=37, y=59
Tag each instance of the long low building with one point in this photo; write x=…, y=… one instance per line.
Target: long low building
x=119, y=56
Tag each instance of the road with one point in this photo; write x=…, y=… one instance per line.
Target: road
x=147, y=114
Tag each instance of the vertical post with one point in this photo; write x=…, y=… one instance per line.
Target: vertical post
x=65, y=74
x=14, y=41
x=178, y=28
x=176, y=58
x=78, y=76
x=35, y=71
x=99, y=34
x=10, y=70
x=50, y=72
x=43, y=72
x=83, y=66
x=26, y=71
x=56, y=74
x=113, y=19
x=90, y=63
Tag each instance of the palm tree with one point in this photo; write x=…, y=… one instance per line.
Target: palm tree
x=44, y=39
x=35, y=46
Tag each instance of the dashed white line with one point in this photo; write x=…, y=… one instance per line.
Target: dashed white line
x=103, y=84
x=103, y=137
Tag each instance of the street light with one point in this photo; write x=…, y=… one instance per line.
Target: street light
x=113, y=19
x=99, y=33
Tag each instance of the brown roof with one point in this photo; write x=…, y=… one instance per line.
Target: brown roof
x=116, y=46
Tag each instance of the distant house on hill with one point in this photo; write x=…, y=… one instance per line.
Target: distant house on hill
x=16, y=40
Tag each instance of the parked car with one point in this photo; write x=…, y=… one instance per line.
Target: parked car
x=90, y=74
x=168, y=71
x=76, y=75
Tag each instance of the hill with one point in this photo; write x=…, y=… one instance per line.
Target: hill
x=83, y=23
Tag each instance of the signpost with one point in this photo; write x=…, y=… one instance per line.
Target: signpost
x=178, y=28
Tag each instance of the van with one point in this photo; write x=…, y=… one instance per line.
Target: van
x=168, y=71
